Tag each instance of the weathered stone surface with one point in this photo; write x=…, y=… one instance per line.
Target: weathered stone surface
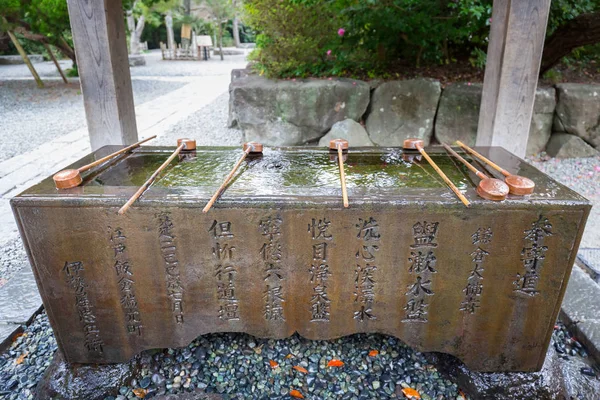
x=590, y=259
x=565, y=145
x=541, y=121
x=166, y=242
x=136, y=60
x=581, y=310
x=556, y=380
x=403, y=109
x=10, y=60
x=228, y=52
x=279, y=112
x=458, y=113
x=348, y=129
x=236, y=74
x=458, y=116
x=19, y=298
x=578, y=111
x=91, y=382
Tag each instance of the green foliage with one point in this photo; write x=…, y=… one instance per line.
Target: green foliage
x=296, y=35
x=300, y=37
x=73, y=72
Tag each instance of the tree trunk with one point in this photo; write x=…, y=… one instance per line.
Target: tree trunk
x=135, y=30
x=26, y=59
x=187, y=5
x=134, y=45
x=236, y=32
x=580, y=31
x=221, y=39
x=170, y=33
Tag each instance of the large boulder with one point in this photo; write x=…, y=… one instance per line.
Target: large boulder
x=565, y=145
x=458, y=113
x=136, y=60
x=578, y=111
x=350, y=130
x=403, y=109
x=541, y=122
x=458, y=116
x=85, y=381
x=287, y=113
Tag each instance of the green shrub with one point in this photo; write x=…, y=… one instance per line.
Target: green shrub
x=300, y=37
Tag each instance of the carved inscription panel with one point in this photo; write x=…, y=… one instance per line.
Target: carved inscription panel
x=424, y=277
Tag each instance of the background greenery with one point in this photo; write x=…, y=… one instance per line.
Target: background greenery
x=300, y=38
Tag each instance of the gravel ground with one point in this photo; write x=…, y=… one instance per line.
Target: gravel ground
x=583, y=176
x=24, y=363
x=155, y=66
x=207, y=125
x=12, y=258
x=239, y=366
x=31, y=116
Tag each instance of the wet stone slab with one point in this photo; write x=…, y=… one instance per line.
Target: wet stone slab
x=590, y=259
x=19, y=298
x=581, y=310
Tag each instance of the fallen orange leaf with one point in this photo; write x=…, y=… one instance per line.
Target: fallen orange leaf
x=140, y=393
x=335, y=363
x=373, y=353
x=21, y=358
x=300, y=369
x=289, y=356
x=273, y=364
x=296, y=394
x=411, y=393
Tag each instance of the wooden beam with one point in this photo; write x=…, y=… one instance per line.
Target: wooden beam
x=511, y=73
x=26, y=59
x=102, y=59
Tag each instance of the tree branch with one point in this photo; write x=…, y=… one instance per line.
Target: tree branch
x=581, y=31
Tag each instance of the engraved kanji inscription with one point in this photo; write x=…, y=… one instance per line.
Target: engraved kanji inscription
x=422, y=263
x=223, y=251
x=474, y=288
x=319, y=269
x=73, y=272
x=271, y=253
x=168, y=251
x=364, y=274
x=532, y=257
x=124, y=272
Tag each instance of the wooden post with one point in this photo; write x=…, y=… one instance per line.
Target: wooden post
x=511, y=73
x=98, y=28
x=26, y=59
x=55, y=61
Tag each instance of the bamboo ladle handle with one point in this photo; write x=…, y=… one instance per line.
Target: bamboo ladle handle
x=340, y=145
x=482, y=158
x=250, y=147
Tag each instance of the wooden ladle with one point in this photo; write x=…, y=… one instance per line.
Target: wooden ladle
x=414, y=143
x=249, y=147
x=488, y=188
x=70, y=178
x=182, y=144
x=518, y=185
x=341, y=145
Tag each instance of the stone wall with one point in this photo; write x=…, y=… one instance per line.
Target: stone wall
x=566, y=118
x=11, y=60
